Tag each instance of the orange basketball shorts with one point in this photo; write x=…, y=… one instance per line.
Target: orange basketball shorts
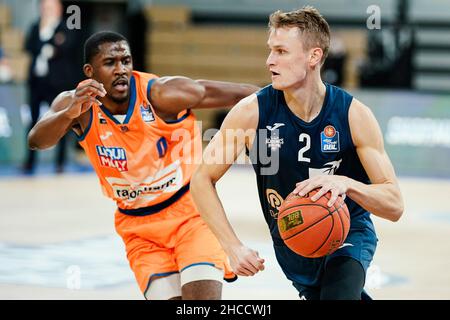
x=169, y=241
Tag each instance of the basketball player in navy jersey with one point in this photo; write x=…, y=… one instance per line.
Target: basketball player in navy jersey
x=322, y=138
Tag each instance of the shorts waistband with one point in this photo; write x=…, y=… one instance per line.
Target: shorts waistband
x=145, y=211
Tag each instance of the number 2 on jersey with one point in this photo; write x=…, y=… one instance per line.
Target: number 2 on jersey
x=304, y=137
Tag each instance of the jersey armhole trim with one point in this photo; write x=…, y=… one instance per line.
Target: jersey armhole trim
x=86, y=131
x=149, y=89
x=184, y=116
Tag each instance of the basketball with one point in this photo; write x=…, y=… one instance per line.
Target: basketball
x=312, y=229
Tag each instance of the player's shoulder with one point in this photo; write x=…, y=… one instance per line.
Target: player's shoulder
x=245, y=113
x=266, y=91
x=359, y=111
x=247, y=105
x=364, y=126
x=143, y=77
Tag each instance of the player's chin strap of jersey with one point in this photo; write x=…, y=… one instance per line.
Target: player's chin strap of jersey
x=157, y=207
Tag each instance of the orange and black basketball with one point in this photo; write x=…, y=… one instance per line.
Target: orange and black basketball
x=312, y=229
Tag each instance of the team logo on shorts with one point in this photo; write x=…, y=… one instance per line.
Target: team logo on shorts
x=329, y=139
x=113, y=157
x=146, y=113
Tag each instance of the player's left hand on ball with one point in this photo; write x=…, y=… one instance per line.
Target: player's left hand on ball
x=335, y=184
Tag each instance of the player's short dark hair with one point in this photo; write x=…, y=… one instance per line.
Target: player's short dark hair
x=93, y=43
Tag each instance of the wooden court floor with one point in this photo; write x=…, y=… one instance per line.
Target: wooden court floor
x=57, y=241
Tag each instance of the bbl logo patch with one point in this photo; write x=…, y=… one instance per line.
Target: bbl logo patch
x=146, y=113
x=329, y=139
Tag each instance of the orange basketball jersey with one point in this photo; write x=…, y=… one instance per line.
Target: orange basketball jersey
x=143, y=161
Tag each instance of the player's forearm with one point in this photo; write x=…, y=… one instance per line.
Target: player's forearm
x=208, y=203
x=383, y=200
x=49, y=130
x=224, y=94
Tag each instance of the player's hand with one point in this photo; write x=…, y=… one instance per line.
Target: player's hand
x=84, y=97
x=245, y=261
x=337, y=185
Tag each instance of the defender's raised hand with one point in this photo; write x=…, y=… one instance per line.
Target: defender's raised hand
x=83, y=97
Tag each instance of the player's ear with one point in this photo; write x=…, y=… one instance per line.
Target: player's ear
x=315, y=56
x=88, y=70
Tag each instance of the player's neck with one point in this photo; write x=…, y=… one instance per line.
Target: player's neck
x=306, y=101
x=115, y=107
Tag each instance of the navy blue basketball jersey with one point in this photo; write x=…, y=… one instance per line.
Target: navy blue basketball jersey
x=287, y=150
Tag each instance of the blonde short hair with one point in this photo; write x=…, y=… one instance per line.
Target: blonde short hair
x=311, y=24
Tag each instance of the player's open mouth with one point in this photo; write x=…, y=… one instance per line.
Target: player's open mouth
x=274, y=73
x=121, y=85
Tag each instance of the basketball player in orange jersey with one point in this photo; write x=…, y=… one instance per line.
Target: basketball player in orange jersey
x=143, y=142
x=316, y=136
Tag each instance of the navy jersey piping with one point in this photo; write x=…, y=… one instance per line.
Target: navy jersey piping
x=84, y=134
x=184, y=116
x=131, y=104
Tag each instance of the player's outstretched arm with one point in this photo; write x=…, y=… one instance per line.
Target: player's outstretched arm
x=173, y=94
x=236, y=131
x=64, y=112
x=224, y=94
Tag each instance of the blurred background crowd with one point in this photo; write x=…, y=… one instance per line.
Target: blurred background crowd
x=395, y=52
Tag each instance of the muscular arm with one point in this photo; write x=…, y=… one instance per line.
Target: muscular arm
x=223, y=94
x=383, y=197
x=53, y=125
x=171, y=95
x=65, y=112
x=218, y=157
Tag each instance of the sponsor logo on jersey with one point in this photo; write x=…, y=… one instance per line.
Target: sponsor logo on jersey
x=329, y=139
x=274, y=142
x=329, y=168
x=275, y=200
x=113, y=157
x=146, y=113
x=275, y=126
x=106, y=135
x=166, y=180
